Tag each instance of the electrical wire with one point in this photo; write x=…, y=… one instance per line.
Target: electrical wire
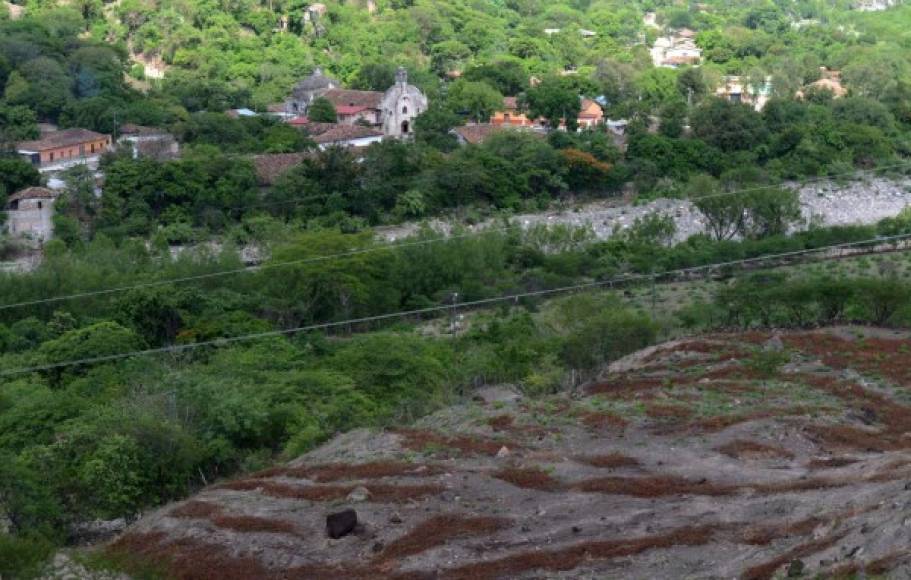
x=440, y=308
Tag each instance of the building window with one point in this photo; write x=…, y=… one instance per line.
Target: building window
x=52, y=155
x=404, y=110
x=93, y=147
x=39, y=205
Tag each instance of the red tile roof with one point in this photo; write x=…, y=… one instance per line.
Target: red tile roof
x=299, y=121
x=475, y=134
x=342, y=133
x=345, y=97
x=33, y=193
x=350, y=109
x=65, y=138
x=269, y=168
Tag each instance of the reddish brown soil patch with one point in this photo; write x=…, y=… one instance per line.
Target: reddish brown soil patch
x=195, y=509
x=722, y=422
x=421, y=440
x=501, y=422
x=765, y=534
x=346, y=472
x=185, y=558
x=573, y=556
x=602, y=420
x=378, y=492
x=652, y=486
x=880, y=566
x=743, y=449
x=528, y=478
x=438, y=530
x=609, y=460
x=766, y=570
x=667, y=411
x=253, y=524
x=894, y=417
x=831, y=462
x=809, y=484
x=887, y=358
x=626, y=385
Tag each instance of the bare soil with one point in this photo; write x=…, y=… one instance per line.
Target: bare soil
x=683, y=461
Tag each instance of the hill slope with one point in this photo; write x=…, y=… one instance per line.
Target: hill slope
x=724, y=456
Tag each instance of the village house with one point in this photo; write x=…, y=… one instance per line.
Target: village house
x=590, y=115
x=30, y=213
x=63, y=149
x=476, y=134
x=270, y=167
x=348, y=136
x=511, y=115
x=149, y=142
x=676, y=51
x=830, y=80
x=737, y=90
x=356, y=107
x=308, y=90
x=392, y=111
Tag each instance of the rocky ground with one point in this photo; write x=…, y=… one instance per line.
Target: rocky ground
x=727, y=456
x=824, y=203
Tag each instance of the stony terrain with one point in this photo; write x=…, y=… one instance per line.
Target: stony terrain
x=823, y=203
x=728, y=456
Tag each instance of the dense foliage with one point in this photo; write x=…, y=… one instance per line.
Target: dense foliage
x=111, y=438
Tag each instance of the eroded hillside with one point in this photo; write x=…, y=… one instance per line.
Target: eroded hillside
x=744, y=456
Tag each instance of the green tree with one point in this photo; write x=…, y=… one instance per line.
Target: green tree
x=507, y=76
x=728, y=126
x=16, y=174
x=554, y=100
x=476, y=101
x=321, y=110
x=434, y=127
x=771, y=212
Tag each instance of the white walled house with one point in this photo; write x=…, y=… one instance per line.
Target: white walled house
x=30, y=213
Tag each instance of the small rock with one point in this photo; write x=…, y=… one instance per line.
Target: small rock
x=340, y=524
x=507, y=394
x=377, y=547
x=795, y=569
x=395, y=519
x=503, y=452
x=359, y=494
x=774, y=344
x=576, y=529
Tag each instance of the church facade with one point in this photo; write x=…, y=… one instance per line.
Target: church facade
x=401, y=104
x=392, y=111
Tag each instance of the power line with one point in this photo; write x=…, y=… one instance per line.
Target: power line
x=382, y=247
x=440, y=308
x=258, y=267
